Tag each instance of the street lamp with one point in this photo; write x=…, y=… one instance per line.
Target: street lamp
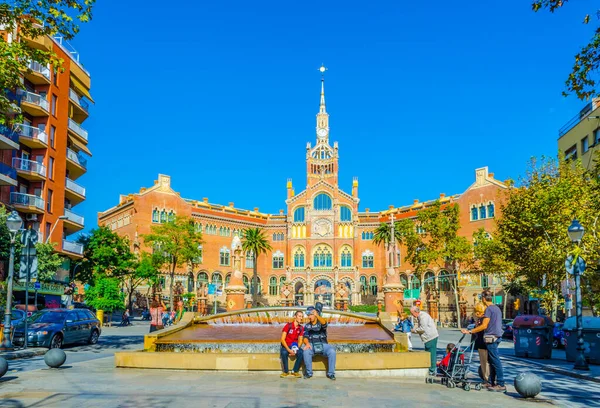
x=14, y=224
x=62, y=217
x=576, y=266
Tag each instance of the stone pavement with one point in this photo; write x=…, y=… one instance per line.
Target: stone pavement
x=559, y=364
x=97, y=383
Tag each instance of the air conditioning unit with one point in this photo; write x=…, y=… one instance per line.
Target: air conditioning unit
x=31, y=217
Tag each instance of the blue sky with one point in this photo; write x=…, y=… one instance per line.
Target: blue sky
x=222, y=96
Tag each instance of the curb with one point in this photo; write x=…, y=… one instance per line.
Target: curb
x=14, y=355
x=558, y=370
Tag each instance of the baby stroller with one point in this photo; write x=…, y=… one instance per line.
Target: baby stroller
x=457, y=371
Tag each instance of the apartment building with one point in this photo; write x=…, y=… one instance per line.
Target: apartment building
x=42, y=158
x=580, y=136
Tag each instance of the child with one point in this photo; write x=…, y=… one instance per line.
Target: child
x=405, y=325
x=445, y=363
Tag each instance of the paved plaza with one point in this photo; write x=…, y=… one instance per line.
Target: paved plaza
x=89, y=379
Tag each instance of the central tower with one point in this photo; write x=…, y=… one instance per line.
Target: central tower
x=322, y=160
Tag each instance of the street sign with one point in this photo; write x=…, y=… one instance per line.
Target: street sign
x=23, y=267
x=37, y=286
x=579, y=264
x=212, y=288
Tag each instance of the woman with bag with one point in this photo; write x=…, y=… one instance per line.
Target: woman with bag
x=484, y=367
x=156, y=312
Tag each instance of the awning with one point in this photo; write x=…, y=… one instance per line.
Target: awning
x=80, y=145
x=81, y=88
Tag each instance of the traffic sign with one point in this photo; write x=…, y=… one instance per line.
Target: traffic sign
x=212, y=288
x=37, y=286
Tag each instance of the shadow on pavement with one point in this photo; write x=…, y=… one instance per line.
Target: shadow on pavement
x=10, y=403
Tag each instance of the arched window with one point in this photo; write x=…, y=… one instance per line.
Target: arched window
x=346, y=258
x=171, y=216
x=216, y=278
x=198, y=227
x=155, y=215
x=364, y=289
x=404, y=280
x=281, y=280
x=482, y=212
x=273, y=288
x=444, y=282
x=490, y=210
x=415, y=282
x=373, y=285
x=485, y=281
x=299, y=214
x=367, y=259
x=474, y=214
x=429, y=280
x=224, y=255
x=227, y=279
x=278, y=260
x=299, y=256
x=249, y=259
x=246, y=281
x=322, y=202
x=322, y=257
x=259, y=285
x=163, y=216
x=202, y=278
x=345, y=214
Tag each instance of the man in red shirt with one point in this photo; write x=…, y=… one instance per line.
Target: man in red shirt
x=291, y=338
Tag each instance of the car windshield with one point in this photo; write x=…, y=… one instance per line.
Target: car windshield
x=49, y=317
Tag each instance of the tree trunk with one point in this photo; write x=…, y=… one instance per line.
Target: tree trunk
x=554, y=306
x=505, y=302
x=458, y=314
x=255, y=281
x=171, y=287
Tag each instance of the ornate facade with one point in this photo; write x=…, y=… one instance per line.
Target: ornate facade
x=322, y=244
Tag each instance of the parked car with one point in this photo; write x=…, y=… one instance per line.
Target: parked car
x=508, y=330
x=54, y=328
x=558, y=336
x=17, y=316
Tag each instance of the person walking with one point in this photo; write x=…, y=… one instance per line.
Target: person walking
x=156, y=312
x=429, y=335
x=491, y=326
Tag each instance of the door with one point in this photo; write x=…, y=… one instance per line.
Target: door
x=85, y=325
x=72, y=330
x=25, y=161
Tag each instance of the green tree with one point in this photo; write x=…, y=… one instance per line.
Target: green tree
x=403, y=231
x=105, y=254
x=33, y=19
x=255, y=242
x=175, y=243
x=581, y=80
x=49, y=261
x=144, y=270
x=105, y=294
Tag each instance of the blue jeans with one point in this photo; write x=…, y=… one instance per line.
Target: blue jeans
x=496, y=372
x=284, y=354
x=328, y=350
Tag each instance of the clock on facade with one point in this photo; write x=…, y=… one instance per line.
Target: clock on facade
x=322, y=132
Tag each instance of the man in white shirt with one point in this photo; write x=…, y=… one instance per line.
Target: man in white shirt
x=429, y=335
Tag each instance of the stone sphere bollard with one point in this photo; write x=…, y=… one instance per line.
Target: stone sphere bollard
x=54, y=358
x=3, y=366
x=528, y=385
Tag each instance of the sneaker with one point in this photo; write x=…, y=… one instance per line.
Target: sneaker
x=295, y=375
x=497, y=388
x=283, y=375
x=331, y=376
x=307, y=376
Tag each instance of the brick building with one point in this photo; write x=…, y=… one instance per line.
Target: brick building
x=321, y=240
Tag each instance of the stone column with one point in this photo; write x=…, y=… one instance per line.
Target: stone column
x=236, y=290
x=393, y=291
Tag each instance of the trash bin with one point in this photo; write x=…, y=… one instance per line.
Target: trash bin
x=100, y=316
x=591, y=338
x=533, y=336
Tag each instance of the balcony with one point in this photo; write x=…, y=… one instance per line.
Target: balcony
x=73, y=223
x=9, y=139
x=583, y=113
x=29, y=169
x=74, y=192
x=8, y=175
x=77, y=130
x=34, y=104
x=37, y=73
x=72, y=247
x=79, y=103
x=32, y=137
x=27, y=203
x=76, y=164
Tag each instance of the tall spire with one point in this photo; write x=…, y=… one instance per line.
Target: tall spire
x=322, y=106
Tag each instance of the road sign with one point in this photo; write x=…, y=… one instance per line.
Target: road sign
x=37, y=286
x=212, y=288
x=23, y=267
x=570, y=265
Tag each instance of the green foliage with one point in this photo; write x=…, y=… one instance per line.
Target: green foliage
x=587, y=60
x=255, y=241
x=105, y=254
x=363, y=308
x=105, y=294
x=175, y=243
x=144, y=270
x=49, y=261
x=33, y=19
x=403, y=231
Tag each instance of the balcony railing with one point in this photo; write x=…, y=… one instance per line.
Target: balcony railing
x=35, y=99
x=72, y=247
x=32, y=133
x=77, y=158
x=9, y=133
x=39, y=68
x=28, y=200
x=76, y=127
x=29, y=165
x=583, y=113
x=71, y=185
x=77, y=219
x=8, y=171
x=78, y=100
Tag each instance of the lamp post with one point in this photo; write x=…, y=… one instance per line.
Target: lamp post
x=577, y=267
x=14, y=224
x=62, y=217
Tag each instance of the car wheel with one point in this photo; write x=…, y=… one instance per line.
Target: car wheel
x=56, y=341
x=93, y=337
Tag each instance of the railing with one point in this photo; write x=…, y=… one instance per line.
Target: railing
x=71, y=185
x=28, y=200
x=9, y=133
x=76, y=157
x=77, y=219
x=7, y=170
x=32, y=133
x=35, y=99
x=583, y=113
x=72, y=247
x=29, y=165
x=77, y=99
x=76, y=127
x=39, y=68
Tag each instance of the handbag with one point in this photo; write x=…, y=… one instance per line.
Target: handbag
x=317, y=347
x=489, y=339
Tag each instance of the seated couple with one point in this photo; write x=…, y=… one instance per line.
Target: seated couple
x=304, y=343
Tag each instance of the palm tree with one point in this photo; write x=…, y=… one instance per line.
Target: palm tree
x=403, y=230
x=254, y=241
